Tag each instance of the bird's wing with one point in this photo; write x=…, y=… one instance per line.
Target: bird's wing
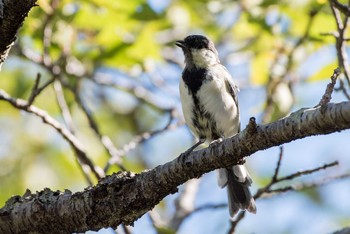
x=232, y=89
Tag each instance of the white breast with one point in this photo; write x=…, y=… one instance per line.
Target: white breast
x=215, y=97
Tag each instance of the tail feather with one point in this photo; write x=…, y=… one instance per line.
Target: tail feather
x=238, y=182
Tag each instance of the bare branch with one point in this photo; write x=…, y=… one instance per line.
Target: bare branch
x=47, y=119
x=105, y=140
x=334, y=34
x=184, y=203
x=206, y=207
x=344, y=9
x=274, y=177
x=314, y=184
x=140, y=139
x=294, y=187
x=306, y=172
x=327, y=96
x=61, y=101
x=69, y=123
x=140, y=92
x=267, y=188
x=340, y=39
x=277, y=81
x=36, y=90
x=343, y=89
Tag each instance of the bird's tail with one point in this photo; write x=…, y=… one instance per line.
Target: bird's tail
x=238, y=181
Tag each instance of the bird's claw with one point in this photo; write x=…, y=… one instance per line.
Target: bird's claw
x=215, y=142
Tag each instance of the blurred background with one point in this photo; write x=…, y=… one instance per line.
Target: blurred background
x=112, y=73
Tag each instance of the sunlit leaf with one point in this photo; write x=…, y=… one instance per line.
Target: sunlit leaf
x=324, y=72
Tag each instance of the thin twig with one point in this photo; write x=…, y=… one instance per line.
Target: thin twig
x=62, y=103
x=47, y=32
x=340, y=39
x=85, y=173
x=341, y=7
x=105, y=140
x=280, y=156
x=343, y=89
x=64, y=132
x=314, y=184
x=307, y=172
x=327, y=96
x=36, y=90
x=138, y=140
x=267, y=188
x=276, y=80
x=206, y=207
x=138, y=91
x=85, y=164
x=184, y=203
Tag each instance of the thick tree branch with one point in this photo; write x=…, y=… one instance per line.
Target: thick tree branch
x=124, y=197
x=343, y=231
x=12, y=15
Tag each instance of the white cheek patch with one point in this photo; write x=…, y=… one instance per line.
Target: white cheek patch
x=203, y=57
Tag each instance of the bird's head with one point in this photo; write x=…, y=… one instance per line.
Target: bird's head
x=199, y=51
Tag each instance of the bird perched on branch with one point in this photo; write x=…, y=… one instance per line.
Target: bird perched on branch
x=210, y=107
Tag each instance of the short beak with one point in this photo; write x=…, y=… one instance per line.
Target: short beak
x=181, y=44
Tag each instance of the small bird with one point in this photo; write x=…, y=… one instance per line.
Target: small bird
x=210, y=106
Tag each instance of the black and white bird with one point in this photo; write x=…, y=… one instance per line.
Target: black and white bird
x=210, y=107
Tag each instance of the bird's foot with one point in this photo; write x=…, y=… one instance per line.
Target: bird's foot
x=187, y=152
x=215, y=142
x=241, y=161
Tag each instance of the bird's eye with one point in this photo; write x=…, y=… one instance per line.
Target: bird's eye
x=203, y=45
x=200, y=46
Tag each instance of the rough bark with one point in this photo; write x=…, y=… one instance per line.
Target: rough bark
x=124, y=197
x=12, y=15
x=343, y=231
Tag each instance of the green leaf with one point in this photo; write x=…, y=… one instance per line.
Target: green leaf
x=324, y=73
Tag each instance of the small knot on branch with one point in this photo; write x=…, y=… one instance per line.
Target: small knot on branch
x=327, y=96
x=27, y=194
x=252, y=126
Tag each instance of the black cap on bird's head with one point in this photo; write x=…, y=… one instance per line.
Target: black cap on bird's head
x=194, y=42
